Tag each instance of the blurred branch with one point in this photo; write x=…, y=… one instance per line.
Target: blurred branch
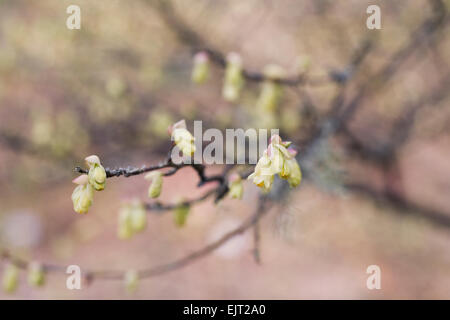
x=382, y=153
x=401, y=204
x=256, y=243
x=261, y=209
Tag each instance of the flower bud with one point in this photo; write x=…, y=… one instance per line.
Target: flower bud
x=236, y=187
x=97, y=174
x=131, y=279
x=36, y=275
x=180, y=213
x=10, y=278
x=138, y=216
x=83, y=195
x=182, y=137
x=200, y=72
x=234, y=79
x=156, y=183
x=125, y=229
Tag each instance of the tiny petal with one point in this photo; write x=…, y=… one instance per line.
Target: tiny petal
x=91, y=160
x=80, y=180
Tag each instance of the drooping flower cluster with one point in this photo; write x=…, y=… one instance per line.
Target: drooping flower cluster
x=132, y=219
x=182, y=138
x=279, y=159
x=83, y=195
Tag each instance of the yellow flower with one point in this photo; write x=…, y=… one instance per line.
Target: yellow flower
x=236, y=187
x=200, y=72
x=263, y=174
x=10, y=278
x=36, y=275
x=234, y=79
x=97, y=174
x=277, y=159
x=156, y=183
x=131, y=279
x=183, y=138
x=83, y=195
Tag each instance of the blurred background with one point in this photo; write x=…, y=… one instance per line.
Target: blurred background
x=376, y=191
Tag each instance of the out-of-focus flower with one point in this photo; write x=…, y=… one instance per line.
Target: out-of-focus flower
x=182, y=138
x=156, y=178
x=236, y=187
x=200, y=72
x=181, y=213
x=272, y=91
x=83, y=195
x=302, y=64
x=36, y=274
x=290, y=120
x=277, y=159
x=138, y=216
x=115, y=86
x=132, y=219
x=97, y=174
x=124, y=230
x=157, y=123
x=131, y=280
x=234, y=79
x=10, y=278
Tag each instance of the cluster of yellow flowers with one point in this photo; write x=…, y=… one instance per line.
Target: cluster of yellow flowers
x=83, y=195
x=35, y=277
x=279, y=159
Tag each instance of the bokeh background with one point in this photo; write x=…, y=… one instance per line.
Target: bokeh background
x=112, y=88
